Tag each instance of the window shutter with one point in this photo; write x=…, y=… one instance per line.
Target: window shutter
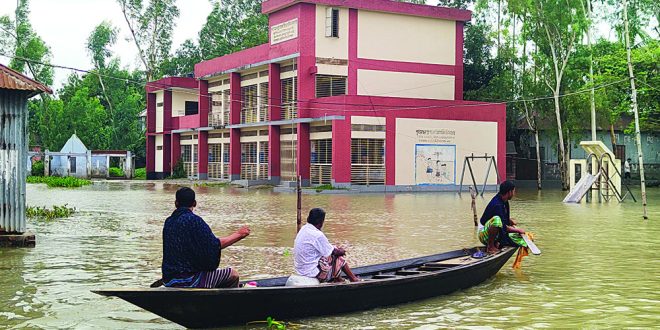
x=335, y=22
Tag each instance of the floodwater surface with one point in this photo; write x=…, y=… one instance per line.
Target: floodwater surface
x=599, y=268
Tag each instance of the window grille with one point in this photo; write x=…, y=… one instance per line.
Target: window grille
x=159, y=104
x=263, y=73
x=215, y=160
x=189, y=158
x=216, y=83
x=321, y=161
x=332, y=22
x=367, y=128
x=368, y=161
x=226, y=102
x=263, y=132
x=327, y=85
x=225, y=160
x=215, y=135
x=249, y=165
x=288, y=160
x=263, y=101
x=289, y=97
x=287, y=68
x=249, y=76
x=215, y=115
x=249, y=104
x=319, y=129
x=248, y=133
x=263, y=160
x=285, y=131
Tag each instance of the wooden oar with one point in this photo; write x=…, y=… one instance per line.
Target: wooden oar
x=530, y=244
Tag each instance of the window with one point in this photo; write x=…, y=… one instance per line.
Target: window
x=72, y=165
x=191, y=108
x=249, y=104
x=330, y=85
x=332, y=22
x=289, y=109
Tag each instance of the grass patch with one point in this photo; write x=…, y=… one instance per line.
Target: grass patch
x=116, y=172
x=56, y=181
x=327, y=187
x=62, y=211
x=140, y=174
x=211, y=184
x=37, y=168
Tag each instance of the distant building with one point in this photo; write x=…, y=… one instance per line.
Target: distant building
x=73, y=165
x=344, y=93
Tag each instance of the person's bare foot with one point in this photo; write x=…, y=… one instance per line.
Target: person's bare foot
x=492, y=250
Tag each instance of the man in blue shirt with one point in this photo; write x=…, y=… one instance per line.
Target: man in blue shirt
x=499, y=228
x=191, y=252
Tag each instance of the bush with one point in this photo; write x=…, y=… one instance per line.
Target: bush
x=116, y=171
x=38, y=168
x=56, y=181
x=179, y=172
x=140, y=174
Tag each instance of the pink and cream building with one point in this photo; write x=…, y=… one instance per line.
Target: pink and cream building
x=350, y=92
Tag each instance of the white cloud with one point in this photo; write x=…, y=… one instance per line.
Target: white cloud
x=65, y=25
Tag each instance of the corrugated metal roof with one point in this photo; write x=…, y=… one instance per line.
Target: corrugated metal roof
x=10, y=79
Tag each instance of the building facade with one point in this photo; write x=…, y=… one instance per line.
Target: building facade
x=345, y=93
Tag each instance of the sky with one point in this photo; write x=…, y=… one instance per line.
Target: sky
x=65, y=26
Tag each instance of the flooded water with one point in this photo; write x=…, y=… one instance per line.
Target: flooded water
x=599, y=267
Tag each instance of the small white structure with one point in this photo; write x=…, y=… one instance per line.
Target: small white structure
x=76, y=160
x=71, y=160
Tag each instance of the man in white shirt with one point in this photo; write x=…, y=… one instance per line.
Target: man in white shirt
x=626, y=169
x=314, y=256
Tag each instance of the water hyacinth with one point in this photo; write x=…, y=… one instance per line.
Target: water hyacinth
x=56, y=181
x=42, y=212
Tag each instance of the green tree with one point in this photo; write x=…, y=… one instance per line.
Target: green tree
x=233, y=25
x=151, y=28
x=30, y=53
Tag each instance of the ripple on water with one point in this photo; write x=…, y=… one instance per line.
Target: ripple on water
x=591, y=274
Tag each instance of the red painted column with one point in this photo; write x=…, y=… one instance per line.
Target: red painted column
x=204, y=103
x=167, y=110
x=274, y=113
x=202, y=155
x=307, y=58
x=390, y=148
x=151, y=112
x=352, y=51
x=501, y=140
x=458, y=73
x=341, y=152
x=151, y=157
x=167, y=154
x=175, y=147
x=303, y=153
x=235, y=133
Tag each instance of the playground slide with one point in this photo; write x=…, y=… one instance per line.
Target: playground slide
x=581, y=188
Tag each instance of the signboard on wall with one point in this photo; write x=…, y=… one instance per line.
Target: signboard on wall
x=284, y=31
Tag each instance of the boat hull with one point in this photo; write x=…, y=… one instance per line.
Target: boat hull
x=202, y=308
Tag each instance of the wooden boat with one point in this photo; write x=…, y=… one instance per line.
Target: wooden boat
x=384, y=284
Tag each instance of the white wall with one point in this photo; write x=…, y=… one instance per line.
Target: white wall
x=405, y=84
x=331, y=47
x=467, y=136
x=396, y=37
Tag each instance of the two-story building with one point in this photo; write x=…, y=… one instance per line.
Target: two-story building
x=350, y=92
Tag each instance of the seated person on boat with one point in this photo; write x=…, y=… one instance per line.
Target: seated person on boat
x=499, y=229
x=314, y=256
x=191, y=252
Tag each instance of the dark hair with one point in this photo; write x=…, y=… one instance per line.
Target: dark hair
x=629, y=159
x=316, y=216
x=185, y=197
x=506, y=186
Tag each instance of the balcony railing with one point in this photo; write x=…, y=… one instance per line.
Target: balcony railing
x=216, y=119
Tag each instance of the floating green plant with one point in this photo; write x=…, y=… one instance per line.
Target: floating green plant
x=56, y=181
x=42, y=212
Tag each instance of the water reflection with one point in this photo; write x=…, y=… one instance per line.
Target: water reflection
x=598, y=269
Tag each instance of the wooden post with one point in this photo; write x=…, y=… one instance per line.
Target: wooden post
x=46, y=163
x=299, y=205
x=633, y=97
x=473, y=194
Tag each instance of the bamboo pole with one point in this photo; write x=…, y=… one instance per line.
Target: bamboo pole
x=299, y=205
x=633, y=97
